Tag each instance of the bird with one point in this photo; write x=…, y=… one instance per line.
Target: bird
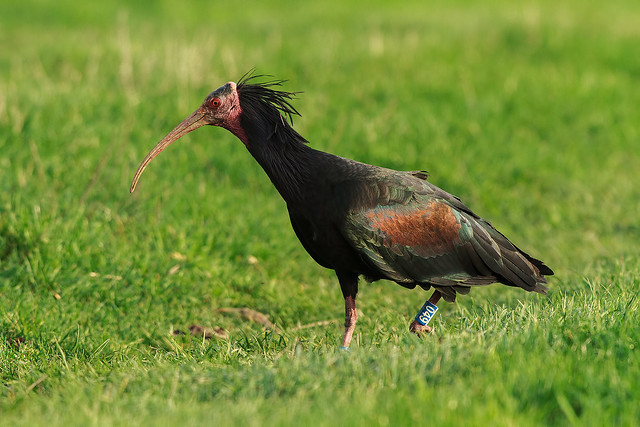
x=358, y=219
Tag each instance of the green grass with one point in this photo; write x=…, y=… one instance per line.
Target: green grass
x=526, y=110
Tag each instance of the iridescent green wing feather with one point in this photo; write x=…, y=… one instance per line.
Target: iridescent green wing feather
x=418, y=233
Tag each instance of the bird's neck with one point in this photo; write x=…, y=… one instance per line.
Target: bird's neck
x=285, y=157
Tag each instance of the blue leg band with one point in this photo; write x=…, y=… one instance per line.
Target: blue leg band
x=426, y=313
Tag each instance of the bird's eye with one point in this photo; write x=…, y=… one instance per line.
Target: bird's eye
x=215, y=102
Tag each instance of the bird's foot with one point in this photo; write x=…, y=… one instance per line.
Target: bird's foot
x=419, y=329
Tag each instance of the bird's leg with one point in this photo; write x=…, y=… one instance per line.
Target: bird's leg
x=349, y=286
x=350, y=319
x=417, y=327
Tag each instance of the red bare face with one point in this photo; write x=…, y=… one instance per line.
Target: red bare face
x=222, y=106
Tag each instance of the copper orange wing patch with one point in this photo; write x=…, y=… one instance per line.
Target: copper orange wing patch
x=429, y=230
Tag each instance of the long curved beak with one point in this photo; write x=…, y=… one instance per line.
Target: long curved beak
x=193, y=122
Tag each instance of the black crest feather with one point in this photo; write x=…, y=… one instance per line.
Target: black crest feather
x=261, y=101
x=263, y=92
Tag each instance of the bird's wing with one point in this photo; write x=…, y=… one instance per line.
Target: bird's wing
x=413, y=232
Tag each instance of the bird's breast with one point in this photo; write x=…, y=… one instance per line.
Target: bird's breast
x=322, y=238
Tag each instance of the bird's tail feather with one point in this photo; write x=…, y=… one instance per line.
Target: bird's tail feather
x=513, y=266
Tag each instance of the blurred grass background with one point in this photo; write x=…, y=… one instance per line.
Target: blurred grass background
x=526, y=110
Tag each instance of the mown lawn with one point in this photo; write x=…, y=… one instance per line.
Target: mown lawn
x=529, y=111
